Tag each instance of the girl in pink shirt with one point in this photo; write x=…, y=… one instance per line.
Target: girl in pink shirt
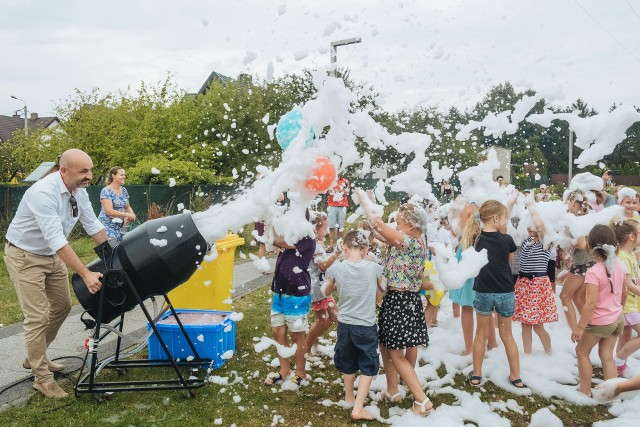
x=602, y=320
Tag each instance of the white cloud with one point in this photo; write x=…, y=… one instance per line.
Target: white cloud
x=414, y=52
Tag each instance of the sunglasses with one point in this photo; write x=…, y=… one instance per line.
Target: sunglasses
x=74, y=206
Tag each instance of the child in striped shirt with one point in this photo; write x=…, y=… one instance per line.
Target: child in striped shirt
x=535, y=299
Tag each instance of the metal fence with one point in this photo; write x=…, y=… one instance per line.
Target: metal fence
x=163, y=199
x=142, y=198
x=629, y=180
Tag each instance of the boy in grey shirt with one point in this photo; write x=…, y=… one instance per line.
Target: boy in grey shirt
x=357, y=280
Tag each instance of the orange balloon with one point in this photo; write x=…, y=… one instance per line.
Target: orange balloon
x=322, y=176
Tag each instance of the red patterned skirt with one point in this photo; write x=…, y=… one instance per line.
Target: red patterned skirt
x=535, y=301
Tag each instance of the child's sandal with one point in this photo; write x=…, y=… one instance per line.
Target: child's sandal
x=386, y=397
x=474, y=380
x=296, y=379
x=273, y=378
x=517, y=383
x=423, y=410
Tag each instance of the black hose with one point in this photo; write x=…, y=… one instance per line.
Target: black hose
x=56, y=375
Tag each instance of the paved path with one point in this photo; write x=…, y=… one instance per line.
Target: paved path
x=70, y=339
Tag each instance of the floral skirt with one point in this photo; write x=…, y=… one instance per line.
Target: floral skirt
x=401, y=321
x=535, y=301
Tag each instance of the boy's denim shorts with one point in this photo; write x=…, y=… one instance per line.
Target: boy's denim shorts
x=357, y=350
x=291, y=311
x=486, y=303
x=336, y=215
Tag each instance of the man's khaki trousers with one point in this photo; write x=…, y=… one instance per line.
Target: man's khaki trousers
x=42, y=285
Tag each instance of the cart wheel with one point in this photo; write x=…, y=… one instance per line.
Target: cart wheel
x=192, y=393
x=121, y=371
x=99, y=398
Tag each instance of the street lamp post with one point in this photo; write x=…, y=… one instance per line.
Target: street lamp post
x=570, y=156
x=345, y=42
x=26, y=120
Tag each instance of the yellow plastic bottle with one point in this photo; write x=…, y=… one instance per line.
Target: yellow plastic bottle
x=436, y=294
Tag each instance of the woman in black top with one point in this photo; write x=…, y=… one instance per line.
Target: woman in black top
x=446, y=191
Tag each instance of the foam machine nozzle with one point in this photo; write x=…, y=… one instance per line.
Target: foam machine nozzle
x=153, y=269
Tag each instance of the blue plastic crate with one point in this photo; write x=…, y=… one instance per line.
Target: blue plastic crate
x=210, y=340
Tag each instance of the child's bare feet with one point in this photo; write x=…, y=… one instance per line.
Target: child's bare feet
x=361, y=414
x=586, y=394
x=466, y=353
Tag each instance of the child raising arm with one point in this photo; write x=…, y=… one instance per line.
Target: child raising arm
x=401, y=320
x=356, y=279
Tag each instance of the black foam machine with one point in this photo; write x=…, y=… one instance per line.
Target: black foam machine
x=150, y=261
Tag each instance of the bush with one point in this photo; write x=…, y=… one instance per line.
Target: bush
x=185, y=173
x=199, y=201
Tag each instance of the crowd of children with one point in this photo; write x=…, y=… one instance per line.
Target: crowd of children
x=600, y=293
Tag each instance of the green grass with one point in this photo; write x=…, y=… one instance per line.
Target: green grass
x=259, y=402
x=11, y=312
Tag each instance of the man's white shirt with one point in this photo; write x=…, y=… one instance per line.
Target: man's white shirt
x=44, y=218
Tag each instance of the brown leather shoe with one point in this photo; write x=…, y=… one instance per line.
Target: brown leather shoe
x=50, y=388
x=53, y=366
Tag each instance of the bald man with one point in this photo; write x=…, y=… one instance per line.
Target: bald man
x=37, y=254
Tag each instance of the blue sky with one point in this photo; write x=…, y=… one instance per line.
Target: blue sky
x=415, y=53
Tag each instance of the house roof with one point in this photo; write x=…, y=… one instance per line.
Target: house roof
x=8, y=124
x=44, y=169
x=213, y=77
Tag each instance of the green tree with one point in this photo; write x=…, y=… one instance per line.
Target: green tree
x=155, y=169
x=524, y=143
x=10, y=165
x=22, y=154
x=554, y=140
x=441, y=128
x=624, y=159
x=222, y=133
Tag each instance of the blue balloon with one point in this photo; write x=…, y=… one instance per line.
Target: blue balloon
x=288, y=128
